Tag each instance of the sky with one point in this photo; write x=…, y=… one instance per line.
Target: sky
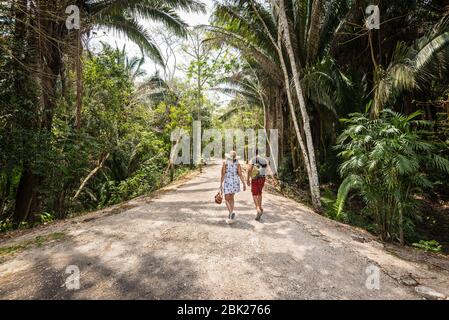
x=192, y=19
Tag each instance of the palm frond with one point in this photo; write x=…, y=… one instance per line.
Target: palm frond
x=350, y=183
x=134, y=31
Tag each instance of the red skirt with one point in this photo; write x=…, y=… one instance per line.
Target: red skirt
x=257, y=186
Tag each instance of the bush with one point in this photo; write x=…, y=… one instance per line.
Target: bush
x=429, y=246
x=46, y=217
x=387, y=161
x=6, y=225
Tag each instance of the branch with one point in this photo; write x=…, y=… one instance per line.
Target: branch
x=89, y=176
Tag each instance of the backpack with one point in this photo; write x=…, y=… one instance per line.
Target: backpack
x=257, y=168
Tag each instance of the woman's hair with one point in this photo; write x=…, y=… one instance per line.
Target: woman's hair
x=233, y=155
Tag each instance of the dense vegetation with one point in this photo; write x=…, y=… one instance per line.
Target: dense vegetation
x=82, y=130
x=363, y=113
x=312, y=64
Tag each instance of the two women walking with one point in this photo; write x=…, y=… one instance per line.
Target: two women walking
x=232, y=175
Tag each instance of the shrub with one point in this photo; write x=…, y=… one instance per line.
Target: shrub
x=429, y=246
x=6, y=225
x=387, y=160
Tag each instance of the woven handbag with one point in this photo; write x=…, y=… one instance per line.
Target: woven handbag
x=219, y=197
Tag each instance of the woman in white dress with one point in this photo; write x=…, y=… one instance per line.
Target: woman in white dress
x=231, y=172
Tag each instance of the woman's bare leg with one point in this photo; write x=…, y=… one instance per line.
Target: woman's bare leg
x=228, y=199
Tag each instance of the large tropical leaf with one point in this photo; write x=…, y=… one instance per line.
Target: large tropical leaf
x=134, y=31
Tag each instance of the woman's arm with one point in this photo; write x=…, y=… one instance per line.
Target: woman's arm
x=239, y=170
x=223, y=173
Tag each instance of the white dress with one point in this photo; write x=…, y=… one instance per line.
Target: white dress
x=231, y=181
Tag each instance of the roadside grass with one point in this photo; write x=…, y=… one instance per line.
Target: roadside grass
x=38, y=241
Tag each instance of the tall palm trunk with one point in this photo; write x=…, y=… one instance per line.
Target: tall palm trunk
x=24, y=193
x=314, y=183
x=376, y=109
x=50, y=60
x=79, y=80
x=305, y=151
x=293, y=111
x=313, y=35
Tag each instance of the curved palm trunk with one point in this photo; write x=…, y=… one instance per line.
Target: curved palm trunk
x=314, y=183
x=313, y=180
x=293, y=115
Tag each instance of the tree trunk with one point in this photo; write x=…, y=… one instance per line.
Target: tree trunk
x=79, y=81
x=59, y=204
x=90, y=175
x=280, y=122
x=314, y=182
x=377, y=105
x=401, y=227
x=172, y=172
x=24, y=195
x=50, y=61
x=313, y=35
x=311, y=171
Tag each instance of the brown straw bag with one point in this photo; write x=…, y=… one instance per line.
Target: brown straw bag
x=219, y=197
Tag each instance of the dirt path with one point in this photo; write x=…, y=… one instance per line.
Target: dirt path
x=177, y=246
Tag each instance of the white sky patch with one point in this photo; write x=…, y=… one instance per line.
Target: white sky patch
x=192, y=19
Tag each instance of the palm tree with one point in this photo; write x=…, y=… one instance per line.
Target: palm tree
x=284, y=24
x=286, y=46
x=133, y=65
x=124, y=18
x=154, y=90
x=414, y=67
x=54, y=41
